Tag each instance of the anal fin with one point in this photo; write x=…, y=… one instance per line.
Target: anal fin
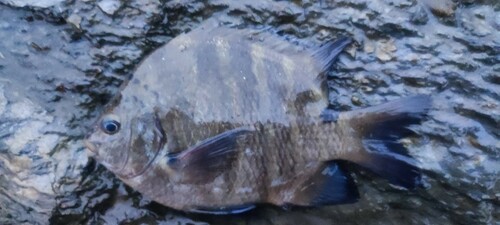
x=330, y=185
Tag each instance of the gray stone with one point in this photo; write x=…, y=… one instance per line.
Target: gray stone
x=441, y=7
x=32, y=3
x=419, y=17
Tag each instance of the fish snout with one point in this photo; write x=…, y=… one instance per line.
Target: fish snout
x=91, y=147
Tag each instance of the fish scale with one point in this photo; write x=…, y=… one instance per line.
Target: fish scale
x=220, y=119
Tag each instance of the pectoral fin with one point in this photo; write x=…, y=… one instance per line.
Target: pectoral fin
x=207, y=160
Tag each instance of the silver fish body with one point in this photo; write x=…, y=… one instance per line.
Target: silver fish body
x=220, y=119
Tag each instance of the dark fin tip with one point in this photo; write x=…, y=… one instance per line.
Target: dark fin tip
x=327, y=53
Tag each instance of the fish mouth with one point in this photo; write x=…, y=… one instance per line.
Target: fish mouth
x=161, y=138
x=91, y=147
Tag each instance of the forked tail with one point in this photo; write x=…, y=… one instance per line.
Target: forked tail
x=380, y=128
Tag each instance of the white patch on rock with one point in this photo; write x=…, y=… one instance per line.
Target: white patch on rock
x=21, y=110
x=385, y=49
x=47, y=143
x=109, y=6
x=74, y=20
x=27, y=133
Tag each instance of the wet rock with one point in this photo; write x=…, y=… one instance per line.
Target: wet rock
x=478, y=21
x=39, y=154
x=441, y=7
x=419, y=16
x=109, y=6
x=384, y=50
x=32, y=3
x=74, y=20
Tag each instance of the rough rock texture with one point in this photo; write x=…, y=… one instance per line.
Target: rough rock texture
x=41, y=154
x=32, y=3
x=59, y=66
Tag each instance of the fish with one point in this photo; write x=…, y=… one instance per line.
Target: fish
x=222, y=119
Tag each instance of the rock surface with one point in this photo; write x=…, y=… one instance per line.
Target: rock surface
x=59, y=65
x=32, y=3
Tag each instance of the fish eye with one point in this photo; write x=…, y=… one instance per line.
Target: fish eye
x=110, y=125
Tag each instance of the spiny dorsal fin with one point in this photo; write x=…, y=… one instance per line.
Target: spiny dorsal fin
x=321, y=58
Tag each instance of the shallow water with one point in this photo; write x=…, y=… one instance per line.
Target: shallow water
x=60, y=65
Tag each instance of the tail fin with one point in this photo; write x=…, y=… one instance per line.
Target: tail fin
x=380, y=127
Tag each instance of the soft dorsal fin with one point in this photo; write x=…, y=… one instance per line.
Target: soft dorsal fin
x=325, y=55
x=207, y=160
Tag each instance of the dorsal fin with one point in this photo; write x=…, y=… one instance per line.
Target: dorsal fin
x=263, y=36
x=325, y=55
x=322, y=57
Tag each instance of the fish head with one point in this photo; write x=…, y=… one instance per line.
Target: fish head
x=126, y=140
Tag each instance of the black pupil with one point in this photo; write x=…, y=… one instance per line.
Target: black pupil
x=111, y=126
